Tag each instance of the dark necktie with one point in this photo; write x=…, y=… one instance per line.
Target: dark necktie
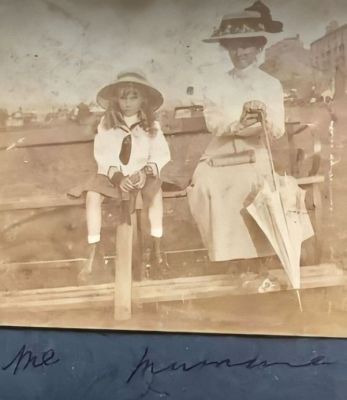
x=124, y=154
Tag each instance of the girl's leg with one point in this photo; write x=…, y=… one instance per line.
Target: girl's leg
x=155, y=215
x=93, y=267
x=93, y=211
x=152, y=196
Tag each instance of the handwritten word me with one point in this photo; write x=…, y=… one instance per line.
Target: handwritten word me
x=27, y=359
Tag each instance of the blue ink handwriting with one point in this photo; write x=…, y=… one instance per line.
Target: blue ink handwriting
x=25, y=359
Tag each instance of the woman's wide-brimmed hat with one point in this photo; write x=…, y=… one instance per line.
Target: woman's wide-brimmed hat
x=137, y=77
x=254, y=21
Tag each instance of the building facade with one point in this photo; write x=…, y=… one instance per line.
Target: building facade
x=328, y=55
x=292, y=45
x=289, y=61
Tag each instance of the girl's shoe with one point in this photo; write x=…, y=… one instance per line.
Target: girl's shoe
x=159, y=266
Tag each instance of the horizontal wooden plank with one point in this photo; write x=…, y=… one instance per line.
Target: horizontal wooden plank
x=53, y=143
x=40, y=202
x=37, y=202
x=55, y=135
x=197, y=287
x=74, y=303
x=46, y=264
x=68, y=291
x=62, y=263
x=309, y=180
x=187, y=288
x=174, y=194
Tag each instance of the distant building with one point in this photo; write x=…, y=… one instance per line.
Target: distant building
x=289, y=61
x=3, y=118
x=94, y=108
x=60, y=114
x=328, y=54
x=293, y=45
x=20, y=118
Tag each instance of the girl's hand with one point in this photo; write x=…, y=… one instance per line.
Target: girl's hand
x=126, y=185
x=138, y=179
x=151, y=169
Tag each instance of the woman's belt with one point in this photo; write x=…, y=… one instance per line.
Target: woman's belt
x=226, y=160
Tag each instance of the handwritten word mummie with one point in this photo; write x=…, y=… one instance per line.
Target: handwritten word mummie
x=146, y=364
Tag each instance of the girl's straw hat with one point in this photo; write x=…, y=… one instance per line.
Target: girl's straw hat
x=254, y=21
x=137, y=77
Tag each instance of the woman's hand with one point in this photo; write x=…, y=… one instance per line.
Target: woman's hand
x=251, y=111
x=254, y=106
x=126, y=185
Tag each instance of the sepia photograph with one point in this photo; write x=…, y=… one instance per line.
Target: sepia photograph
x=174, y=165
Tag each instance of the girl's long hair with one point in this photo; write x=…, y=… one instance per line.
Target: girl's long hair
x=113, y=116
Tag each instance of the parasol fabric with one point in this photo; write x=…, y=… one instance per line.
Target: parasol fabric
x=286, y=225
x=280, y=212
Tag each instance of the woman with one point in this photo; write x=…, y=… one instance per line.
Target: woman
x=236, y=161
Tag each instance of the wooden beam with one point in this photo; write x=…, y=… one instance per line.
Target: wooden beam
x=23, y=203
x=123, y=272
x=69, y=134
x=60, y=263
x=58, y=298
x=323, y=275
x=310, y=180
x=175, y=194
x=60, y=200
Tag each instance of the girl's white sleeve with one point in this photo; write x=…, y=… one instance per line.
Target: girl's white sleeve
x=159, y=152
x=105, y=151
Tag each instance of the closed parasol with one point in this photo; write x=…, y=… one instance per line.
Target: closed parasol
x=279, y=210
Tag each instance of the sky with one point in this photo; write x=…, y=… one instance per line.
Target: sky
x=56, y=52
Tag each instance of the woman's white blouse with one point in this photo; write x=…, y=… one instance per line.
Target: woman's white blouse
x=225, y=96
x=145, y=149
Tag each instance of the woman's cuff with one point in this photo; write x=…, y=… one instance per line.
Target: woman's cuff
x=233, y=129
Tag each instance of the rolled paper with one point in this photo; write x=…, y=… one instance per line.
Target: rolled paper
x=245, y=157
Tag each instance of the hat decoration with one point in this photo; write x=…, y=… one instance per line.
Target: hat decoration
x=270, y=25
x=252, y=22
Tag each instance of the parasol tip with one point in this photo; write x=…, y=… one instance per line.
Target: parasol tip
x=299, y=300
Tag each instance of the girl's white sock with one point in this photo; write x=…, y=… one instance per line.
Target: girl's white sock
x=93, y=239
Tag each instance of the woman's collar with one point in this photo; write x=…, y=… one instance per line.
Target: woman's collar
x=245, y=72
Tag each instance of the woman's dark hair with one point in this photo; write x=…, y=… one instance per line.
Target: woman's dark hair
x=113, y=115
x=257, y=41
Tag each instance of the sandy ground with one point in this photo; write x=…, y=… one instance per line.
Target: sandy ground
x=58, y=233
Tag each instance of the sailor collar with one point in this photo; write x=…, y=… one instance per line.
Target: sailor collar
x=123, y=125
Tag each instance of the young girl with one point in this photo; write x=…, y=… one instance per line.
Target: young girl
x=130, y=151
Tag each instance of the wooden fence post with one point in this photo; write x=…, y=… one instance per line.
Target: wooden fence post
x=123, y=273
